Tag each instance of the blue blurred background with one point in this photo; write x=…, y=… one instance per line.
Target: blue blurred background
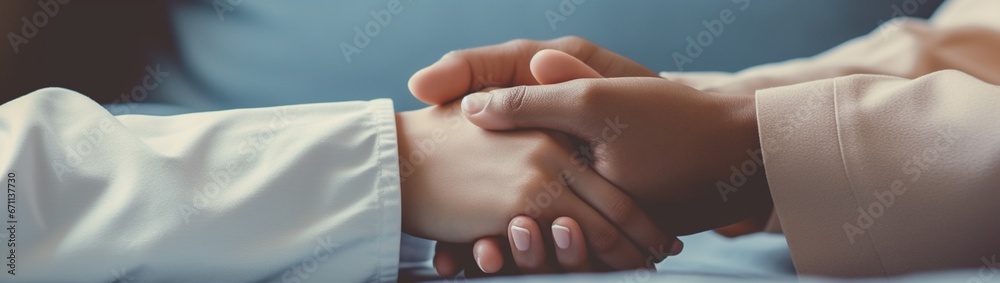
x=259, y=53
x=223, y=54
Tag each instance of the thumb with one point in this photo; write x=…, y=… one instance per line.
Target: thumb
x=505, y=109
x=559, y=107
x=551, y=66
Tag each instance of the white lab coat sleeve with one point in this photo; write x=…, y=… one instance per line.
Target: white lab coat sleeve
x=283, y=194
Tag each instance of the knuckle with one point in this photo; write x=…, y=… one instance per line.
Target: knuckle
x=541, y=140
x=523, y=203
x=522, y=48
x=589, y=94
x=513, y=99
x=578, y=46
x=539, y=198
x=536, y=137
x=521, y=43
x=573, y=40
x=550, y=139
x=529, y=187
x=563, y=144
x=462, y=54
x=545, y=145
x=605, y=239
x=620, y=210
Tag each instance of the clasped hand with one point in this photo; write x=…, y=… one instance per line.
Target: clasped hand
x=584, y=121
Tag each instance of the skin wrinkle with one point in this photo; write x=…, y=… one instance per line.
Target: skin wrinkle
x=515, y=99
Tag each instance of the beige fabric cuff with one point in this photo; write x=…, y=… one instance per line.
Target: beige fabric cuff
x=798, y=132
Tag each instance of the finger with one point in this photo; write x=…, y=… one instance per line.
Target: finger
x=584, y=108
x=603, y=239
x=447, y=258
x=619, y=208
x=460, y=72
x=551, y=66
x=571, y=248
x=527, y=246
x=488, y=254
x=505, y=65
x=753, y=224
x=558, y=106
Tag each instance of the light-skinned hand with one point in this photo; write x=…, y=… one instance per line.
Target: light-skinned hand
x=487, y=255
x=461, y=183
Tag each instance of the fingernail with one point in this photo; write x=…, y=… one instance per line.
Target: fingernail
x=480, y=264
x=522, y=238
x=677, y=247
x=561, y=235
x=475, y=103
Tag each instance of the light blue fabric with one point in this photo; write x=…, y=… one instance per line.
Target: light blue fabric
x=629, y=277
x=759, y=254
x=759, y=257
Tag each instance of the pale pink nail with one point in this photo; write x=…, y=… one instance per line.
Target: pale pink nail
x=522, y=237
x=561, y=235
x=475, y=256
x=480, y=264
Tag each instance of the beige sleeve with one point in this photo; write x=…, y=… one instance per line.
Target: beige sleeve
x=963, y=35
x=877, y=175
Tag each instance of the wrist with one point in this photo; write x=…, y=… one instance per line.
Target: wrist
x=404, y=136
x=418, y=163
x=742, y=110
x=403, y=142
x=743, y=128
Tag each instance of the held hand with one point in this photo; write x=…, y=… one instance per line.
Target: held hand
x=461, y=183
x=496, y=256
x=692, y=158
x=487, y=255
x=505, y=65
